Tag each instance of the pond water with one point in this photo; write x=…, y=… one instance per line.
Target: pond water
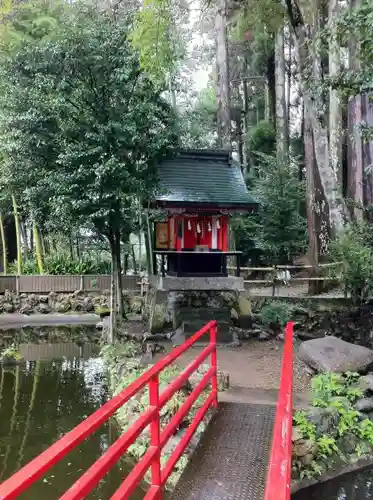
x=40, y=401
x=354, y=486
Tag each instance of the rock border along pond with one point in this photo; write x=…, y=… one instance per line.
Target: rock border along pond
x=334, y=434
x=78, y=302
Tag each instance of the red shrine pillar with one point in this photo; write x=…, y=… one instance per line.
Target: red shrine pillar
x=224, y=233
x=178, y=233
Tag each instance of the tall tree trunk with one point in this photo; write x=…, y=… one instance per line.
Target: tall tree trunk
x=113, y=298
x=173, y=94
x=125, y=262
x=288, y=82
x=355, y=168
x=133, y=255
x=38, y=250
x=24, y=238
x=367, y=112
x=71, y=246
x=271, y=82
x=330, y=202
x=77, y=243
x=118, y=274
x=18, y=235
x=267, y=102
x=335, y=109
x=281, y=115
x=113, y=291
x=246, y=161
x=222, y=84
x=3, y=245
x=149, y=244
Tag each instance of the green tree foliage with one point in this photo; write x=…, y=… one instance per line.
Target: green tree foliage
x=278, y=231
x=261, y=139
x=82, y=125
x=23, y=22
x=262, y=17
x=90, y=124
x=156, y=34
x=199, y=120
x=28, y=21
x=354, y=248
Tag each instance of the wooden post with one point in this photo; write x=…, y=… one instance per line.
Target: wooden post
x=163, y=270
x=274, y=281
x=238, y=272
x=17, y=284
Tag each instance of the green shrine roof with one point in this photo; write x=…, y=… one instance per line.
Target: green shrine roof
x=203, y=178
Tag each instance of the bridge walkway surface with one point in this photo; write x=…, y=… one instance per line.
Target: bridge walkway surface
x=231, y=460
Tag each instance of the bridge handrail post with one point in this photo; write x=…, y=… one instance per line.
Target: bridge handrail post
x=155, y=436
x=214, y=364
x=149, y=418
x=279, y=470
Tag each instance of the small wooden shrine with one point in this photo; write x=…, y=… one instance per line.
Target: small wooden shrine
x=199, y=190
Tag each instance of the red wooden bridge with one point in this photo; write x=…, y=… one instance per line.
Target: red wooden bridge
x=233, y=460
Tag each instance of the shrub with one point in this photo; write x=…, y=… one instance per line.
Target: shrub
x=354, y=249
x=276, y=313
x=63, y=264
x=262, y=139
x=279, y=229
x=336, y=423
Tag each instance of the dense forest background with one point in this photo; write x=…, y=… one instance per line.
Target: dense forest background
x=93, y=93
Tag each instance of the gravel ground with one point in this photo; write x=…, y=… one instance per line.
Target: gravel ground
x=256, y=364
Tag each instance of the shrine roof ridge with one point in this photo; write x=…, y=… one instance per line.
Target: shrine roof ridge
x=202, y=177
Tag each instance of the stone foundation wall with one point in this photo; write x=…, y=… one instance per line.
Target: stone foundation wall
x=189, y=310
x=78, y=301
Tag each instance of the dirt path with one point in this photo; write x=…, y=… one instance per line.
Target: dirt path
x=254, y=369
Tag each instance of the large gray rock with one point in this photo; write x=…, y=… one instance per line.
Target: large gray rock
x=364, y=404
x=366, y=382
x=326, y=420
x=335, y=355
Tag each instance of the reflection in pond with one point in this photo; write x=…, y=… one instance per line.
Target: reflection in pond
x=42, y=400
x=79, y=334
x=354, y=486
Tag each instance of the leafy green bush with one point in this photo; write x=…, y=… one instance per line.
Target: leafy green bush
x=279, y=229
x=354, y=248
x=276, y=313
x=262, y=139
x=63, y=264
x=328, y=385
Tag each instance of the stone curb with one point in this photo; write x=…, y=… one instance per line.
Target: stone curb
x=360, y=464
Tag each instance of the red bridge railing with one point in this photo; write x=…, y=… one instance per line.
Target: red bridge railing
x=279, y=470
x=35, y=469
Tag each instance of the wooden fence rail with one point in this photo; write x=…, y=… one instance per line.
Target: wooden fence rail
x=63, y=283
x=99, y=283
x=316, y=282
